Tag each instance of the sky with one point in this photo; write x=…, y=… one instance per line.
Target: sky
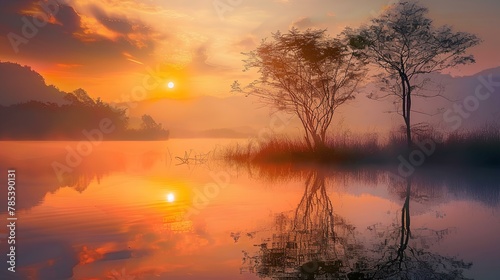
x=130, y=50
x=108, y=47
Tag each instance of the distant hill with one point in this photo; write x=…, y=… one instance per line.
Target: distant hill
x=364, y=114
x=32, y=110
x=19, y=84
x=461, y=92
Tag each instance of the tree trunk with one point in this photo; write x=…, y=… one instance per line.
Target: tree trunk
x=406, y=104
x=408, y=117
x=409, y=142
x=314, y=140
x=405, y=223
x=318, y=142
x=308, y=142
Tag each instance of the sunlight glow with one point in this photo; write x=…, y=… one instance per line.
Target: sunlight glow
x=170, y=85
x=170, y=197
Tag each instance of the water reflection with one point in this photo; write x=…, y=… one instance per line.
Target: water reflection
x=310, y=241
x=434, y=183
x=120, y=213
x=34, y=165
x=314, y=243
x=413, y=260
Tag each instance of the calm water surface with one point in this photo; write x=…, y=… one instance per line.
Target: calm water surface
x=133, y=210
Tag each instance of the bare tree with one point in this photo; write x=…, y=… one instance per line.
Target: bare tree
x=307, y=74
x=405, y=44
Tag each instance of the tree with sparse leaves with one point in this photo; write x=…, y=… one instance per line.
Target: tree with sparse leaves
x=404, y=43
x=307, y=74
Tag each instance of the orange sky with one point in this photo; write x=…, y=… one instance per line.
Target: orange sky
x=128, y=51
x=107, y=47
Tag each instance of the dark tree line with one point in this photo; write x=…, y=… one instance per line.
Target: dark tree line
x=34, y=120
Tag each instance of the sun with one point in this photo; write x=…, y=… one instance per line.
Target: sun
x=170, y=197
x=170, y=85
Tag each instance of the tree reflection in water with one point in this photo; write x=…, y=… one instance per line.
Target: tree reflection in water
x=402, y=261
x=314, y=243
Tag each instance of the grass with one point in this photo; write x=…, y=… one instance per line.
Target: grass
x=284, y=150
x=480, y=147
x=475, y=148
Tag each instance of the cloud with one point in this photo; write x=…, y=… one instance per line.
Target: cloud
x=51, y=258
x=117, y=255
x=68, y=19
x=200, y=62
x=114, y=23
x=246, y=43
x=200, y=59
x=302, y=23
x=8, y=7
x=68, y=65
x=70, y=37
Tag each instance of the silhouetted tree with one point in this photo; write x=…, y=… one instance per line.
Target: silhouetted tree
x=37, y=120
x=148, y=123
x=307, y=74
x=82, y=96
x=404, y=43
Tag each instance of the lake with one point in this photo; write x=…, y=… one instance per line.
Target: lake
x=172, y=210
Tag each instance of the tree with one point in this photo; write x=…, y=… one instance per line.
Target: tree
x=405, y=44
x=307, y=74
x=149, y=124
x=83, y=97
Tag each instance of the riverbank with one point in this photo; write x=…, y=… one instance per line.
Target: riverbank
x=466, y=148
